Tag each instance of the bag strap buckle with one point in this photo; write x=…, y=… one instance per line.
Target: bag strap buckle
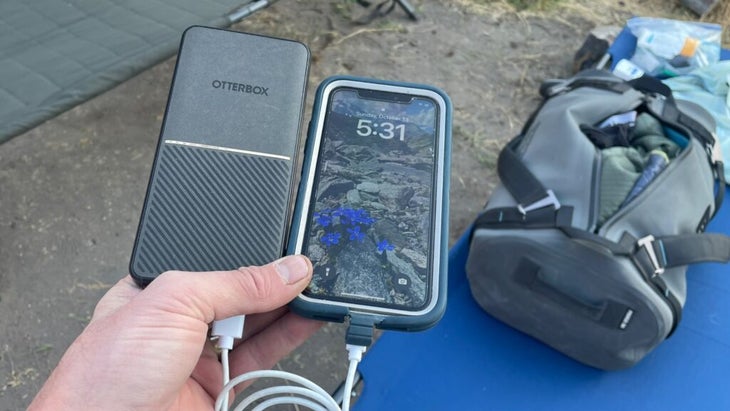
x=548, y=200
x=648, y=244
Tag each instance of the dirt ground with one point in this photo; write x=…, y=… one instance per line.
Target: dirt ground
x=487, y=56
x=490, y=62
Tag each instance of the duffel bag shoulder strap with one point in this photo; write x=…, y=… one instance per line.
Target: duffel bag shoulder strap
x=536, y=205
x=665, y=107
x=657, y=253
x=654, y=255
x=598, y=79
x=526, y=189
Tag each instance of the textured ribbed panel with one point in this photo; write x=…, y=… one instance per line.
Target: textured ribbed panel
x=213, y=210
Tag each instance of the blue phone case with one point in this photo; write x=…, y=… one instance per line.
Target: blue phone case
x=335, y=313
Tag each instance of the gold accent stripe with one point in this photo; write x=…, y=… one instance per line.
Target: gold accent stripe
x=228, y=149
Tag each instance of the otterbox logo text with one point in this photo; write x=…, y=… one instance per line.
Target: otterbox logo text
x=241, y=88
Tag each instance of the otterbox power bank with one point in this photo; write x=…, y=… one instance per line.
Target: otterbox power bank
x=221, y=184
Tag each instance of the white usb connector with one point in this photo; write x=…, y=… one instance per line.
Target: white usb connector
x=227, y=331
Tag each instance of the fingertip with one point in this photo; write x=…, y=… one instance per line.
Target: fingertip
x=294, y=268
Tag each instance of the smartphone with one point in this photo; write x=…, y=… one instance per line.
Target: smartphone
x=222, y=184
x=372, y=208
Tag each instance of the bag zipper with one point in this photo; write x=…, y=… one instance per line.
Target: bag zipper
x=595, y=191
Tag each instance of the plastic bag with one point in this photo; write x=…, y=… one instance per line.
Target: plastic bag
x=710, y=88
x=666, y=48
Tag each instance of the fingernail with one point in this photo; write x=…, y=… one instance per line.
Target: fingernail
x=292, y=268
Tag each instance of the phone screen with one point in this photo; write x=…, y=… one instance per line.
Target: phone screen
x=370, y=224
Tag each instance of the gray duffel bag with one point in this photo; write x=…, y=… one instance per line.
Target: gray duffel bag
x=603, y=202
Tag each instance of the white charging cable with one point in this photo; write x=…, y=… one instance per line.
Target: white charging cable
x=308, y=394
x=226, y=332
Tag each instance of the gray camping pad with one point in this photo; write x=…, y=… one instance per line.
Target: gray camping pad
x=55, y=54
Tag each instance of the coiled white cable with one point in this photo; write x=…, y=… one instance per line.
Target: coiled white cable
x=308, y=394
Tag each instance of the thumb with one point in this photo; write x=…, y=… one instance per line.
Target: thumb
x=215, y=295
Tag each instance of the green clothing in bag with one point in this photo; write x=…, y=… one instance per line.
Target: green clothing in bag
x=622, y=166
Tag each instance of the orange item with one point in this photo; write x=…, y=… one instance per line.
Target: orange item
x=689, y=48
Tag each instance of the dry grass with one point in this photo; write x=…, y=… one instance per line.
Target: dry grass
x=721, y=15
x=603, y=12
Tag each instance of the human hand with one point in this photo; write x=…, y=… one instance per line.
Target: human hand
x=148, y=349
